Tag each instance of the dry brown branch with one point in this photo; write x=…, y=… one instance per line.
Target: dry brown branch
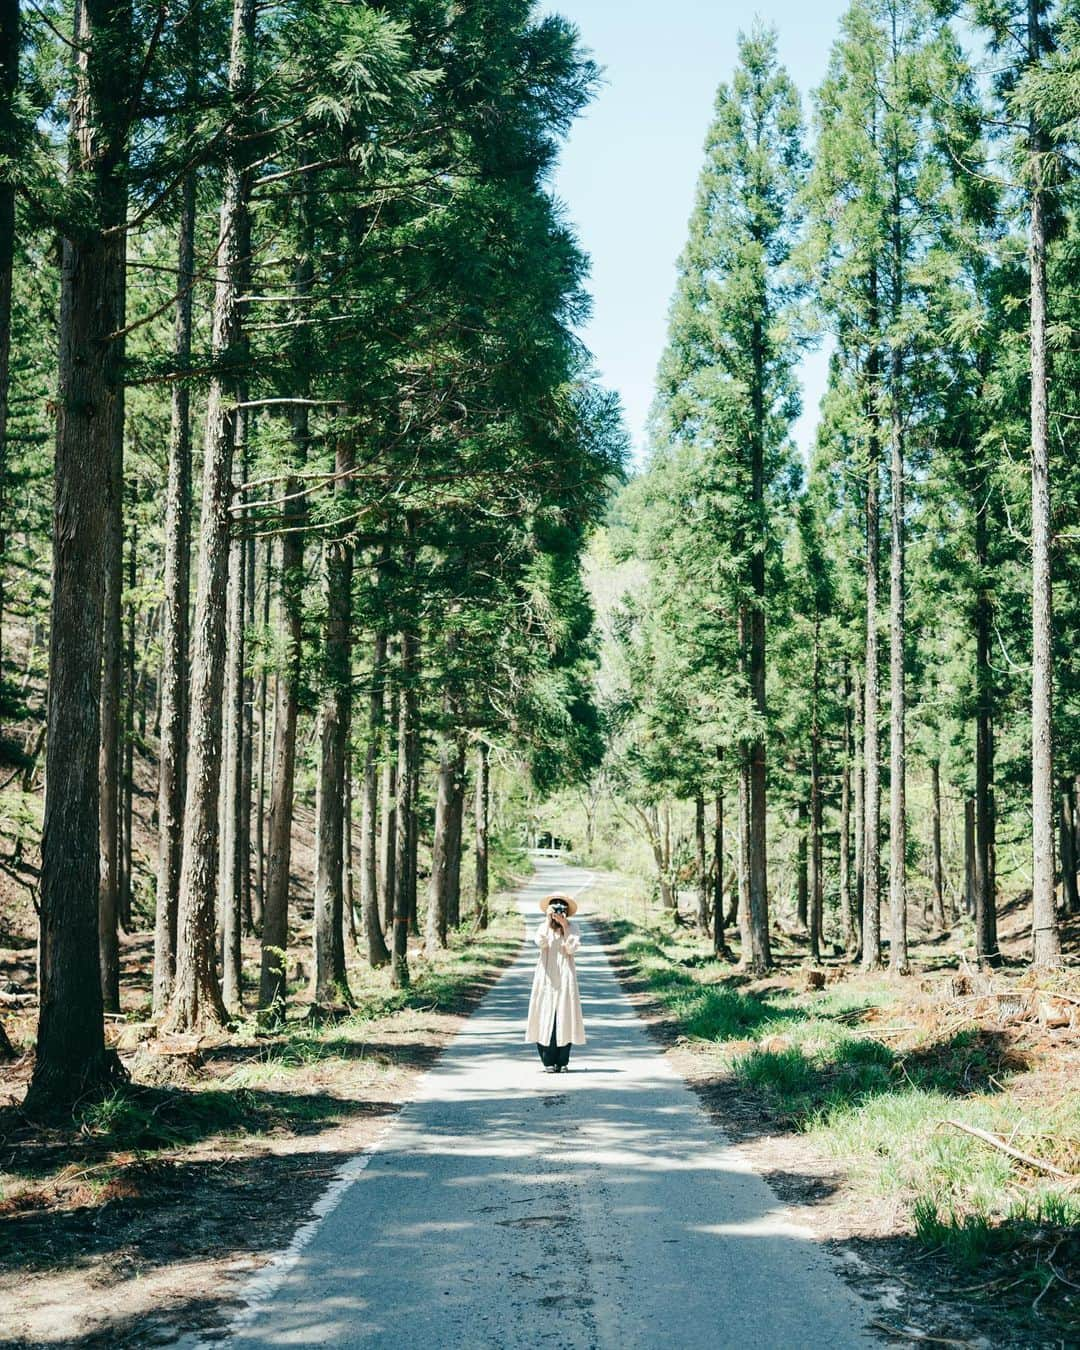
x=995, y=1142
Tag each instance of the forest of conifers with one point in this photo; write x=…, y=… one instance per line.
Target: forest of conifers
x=300, y=458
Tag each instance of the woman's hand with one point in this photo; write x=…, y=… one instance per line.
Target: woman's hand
x=561, y=922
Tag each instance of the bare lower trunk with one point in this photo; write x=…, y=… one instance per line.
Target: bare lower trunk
x=847, y=927
x=10, y=41
x=969, y=855
x=700, y=854
x=330, y=978
x=437, y=919
x=898, y=944
x=871, y=924
x=275, y=927
x=744, y=857
x=481, y=836
x=1070, y=893
x=720, y=947
x=937, y=880
x=455, y=835
x=1046, y=943
x=112, y=648
x=404, y=857
x=816, y=881
x=230, y=899
x=71, y=1056
x=259, y=897
x=388, y=821
x=802, y=889
x=196, y=997
x=177, y=583
x=378, y=954
x=859, y=806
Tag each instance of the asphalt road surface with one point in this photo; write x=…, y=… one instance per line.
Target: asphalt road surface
x=598, y=1208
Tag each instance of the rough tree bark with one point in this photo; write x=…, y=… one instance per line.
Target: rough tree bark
x=802, y=888
x=331, y=983
x=71, y=1055
x=700, y=854
x=720, y=947
x=937, y=875
x=229, y=862
x=481, y=835
x=378, y=954
x=816, y=885
x=871, y=909
x=437, y=918
x=455, y=836
x=1046, y=942
x=9, y=83
x=1070, y=892
x=405, y=852
x=847, y=927
x=114, y=208
x=388, y=818
x=174, y=635
x=859, y=810
x=275, y=927
x=196, y=996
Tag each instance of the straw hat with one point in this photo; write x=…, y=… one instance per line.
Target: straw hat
x=568, y=901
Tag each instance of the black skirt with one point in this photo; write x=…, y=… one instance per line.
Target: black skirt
x=552, y=1055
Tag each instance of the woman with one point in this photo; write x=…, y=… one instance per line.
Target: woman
x=555, y=1006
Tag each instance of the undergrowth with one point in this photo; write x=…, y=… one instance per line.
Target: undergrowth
x=874, y=1084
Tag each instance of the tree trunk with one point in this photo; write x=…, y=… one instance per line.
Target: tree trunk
x=1069, y=893
x=816, y=882
x=898, y=943
x=388, y=820
x=720, y=947
x=275, y=929
x=937, y=880
x=259, y=901
x=859, y=824
x=700, y=859
x=128, y=739
x=174, y=632
x=196, y=997
x=437, y=918
x=455, y=835
x=230, y=900
x=405, y=854
x=801, y=888
x=969, y=855
x=347, y=891
x=871, y=925
x=378, y=954
x=71, y=1057
x=331, y=984
x=744, y=857
x=247, y=720
x=847, y=926
x=760, y=956
x=986, y=942
x=114, y=211
x=9, y=83
x=1046, y=943
x=482, y=790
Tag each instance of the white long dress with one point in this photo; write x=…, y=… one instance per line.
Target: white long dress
x=555, y=999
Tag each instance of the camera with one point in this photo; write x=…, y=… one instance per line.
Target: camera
x=557, y=907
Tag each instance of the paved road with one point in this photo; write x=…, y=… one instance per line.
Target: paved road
x=599, y=1208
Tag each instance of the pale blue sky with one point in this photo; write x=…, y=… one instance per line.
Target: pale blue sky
x=628, y=172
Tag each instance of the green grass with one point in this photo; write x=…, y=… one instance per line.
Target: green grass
x=874, y=1093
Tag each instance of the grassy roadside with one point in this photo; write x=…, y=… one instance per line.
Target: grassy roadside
x=129, y=1212
x=869, y=1070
